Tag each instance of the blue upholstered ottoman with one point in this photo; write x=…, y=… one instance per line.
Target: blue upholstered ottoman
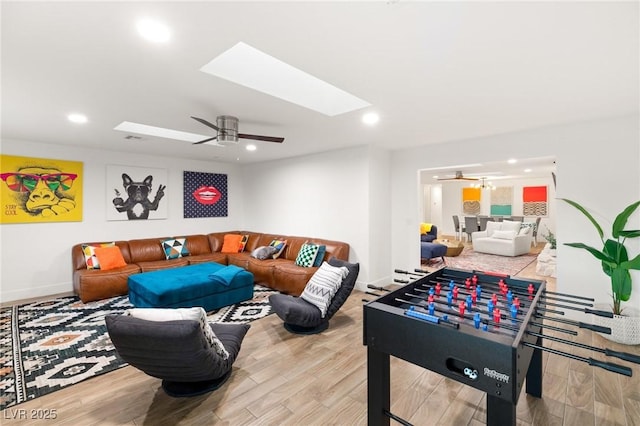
x=431, y=250
x=209, y=285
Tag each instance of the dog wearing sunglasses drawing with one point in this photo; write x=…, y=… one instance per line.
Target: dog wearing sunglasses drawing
x=138, y=204
x=41, y=191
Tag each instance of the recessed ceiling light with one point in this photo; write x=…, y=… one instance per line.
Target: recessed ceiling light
x=77, y=118
x=512, y=161
x=527, y=170
x=152, y=30
x=249, y=67
x=143, y=129
x=251, y=147
x=370, y=118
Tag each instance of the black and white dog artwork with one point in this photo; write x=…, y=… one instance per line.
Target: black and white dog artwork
x=137, y=205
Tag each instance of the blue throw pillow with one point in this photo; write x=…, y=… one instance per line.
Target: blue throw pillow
x=320, y=256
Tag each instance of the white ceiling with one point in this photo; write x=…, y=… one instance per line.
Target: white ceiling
x=434, y=71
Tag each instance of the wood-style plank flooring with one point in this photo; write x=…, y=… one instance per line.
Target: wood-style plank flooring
x=285, y=379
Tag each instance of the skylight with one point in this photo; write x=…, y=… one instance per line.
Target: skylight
x=249, y=67
x=143, y=129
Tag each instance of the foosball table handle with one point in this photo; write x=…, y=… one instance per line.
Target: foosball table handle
x=599, y=313
x=620, y=369
x=598, y=328
x=623, y=355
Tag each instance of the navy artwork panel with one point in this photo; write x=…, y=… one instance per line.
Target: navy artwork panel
x=205, y=194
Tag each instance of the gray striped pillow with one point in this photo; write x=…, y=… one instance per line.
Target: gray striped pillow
x=323, y=286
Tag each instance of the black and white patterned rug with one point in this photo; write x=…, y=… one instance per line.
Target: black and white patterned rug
x=48, y=345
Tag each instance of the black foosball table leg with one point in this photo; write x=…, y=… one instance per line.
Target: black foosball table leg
x=378, y=387
x=534, y=373
x=500, y=412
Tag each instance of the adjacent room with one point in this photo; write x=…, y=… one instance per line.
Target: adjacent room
x=255, y=213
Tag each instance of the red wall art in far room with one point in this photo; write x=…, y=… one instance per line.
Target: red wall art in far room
x=534, y=200
x=37, y=190
x=205, y=195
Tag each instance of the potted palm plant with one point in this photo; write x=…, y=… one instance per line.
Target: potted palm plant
x=616, y=264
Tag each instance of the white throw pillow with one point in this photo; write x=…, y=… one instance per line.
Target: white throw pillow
x=492, y=227
x=504, y=235
x=323, y=286
x=508, y=225
x=171, y=314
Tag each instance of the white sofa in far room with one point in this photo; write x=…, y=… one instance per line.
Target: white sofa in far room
x=506, y=238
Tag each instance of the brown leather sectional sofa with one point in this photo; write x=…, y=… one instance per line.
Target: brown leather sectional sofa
x=144, y=255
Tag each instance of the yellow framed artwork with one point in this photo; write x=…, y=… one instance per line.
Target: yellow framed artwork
x=37, y=190
x=471, y=200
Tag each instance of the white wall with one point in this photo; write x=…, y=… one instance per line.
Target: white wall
x=597, y=165
x=36, y=258
x=340, y=195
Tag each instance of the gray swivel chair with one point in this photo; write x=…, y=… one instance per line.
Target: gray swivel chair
x=177, y=352
x=301, y=317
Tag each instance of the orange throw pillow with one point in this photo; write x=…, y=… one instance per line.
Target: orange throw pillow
x=231, y=243
x=110, y=257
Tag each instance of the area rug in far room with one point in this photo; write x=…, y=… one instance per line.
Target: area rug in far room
x=51, y=344
x=471, y=260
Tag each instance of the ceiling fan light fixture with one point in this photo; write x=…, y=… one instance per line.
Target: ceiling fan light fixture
x=228, y=126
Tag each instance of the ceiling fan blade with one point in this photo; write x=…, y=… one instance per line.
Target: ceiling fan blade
x=261, y=138
x=206, y=140
x=458, y=178
x=206, y=123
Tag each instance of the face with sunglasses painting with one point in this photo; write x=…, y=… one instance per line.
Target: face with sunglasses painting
x=41, y=191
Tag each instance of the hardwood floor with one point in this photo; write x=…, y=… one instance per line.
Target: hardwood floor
x=285, y=379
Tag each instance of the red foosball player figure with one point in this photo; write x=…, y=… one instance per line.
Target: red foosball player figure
x=530, y=289
x=461, y=307
x=496, y=316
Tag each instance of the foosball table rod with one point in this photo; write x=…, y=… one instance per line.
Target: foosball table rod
x=608, y=352
x=616, y=368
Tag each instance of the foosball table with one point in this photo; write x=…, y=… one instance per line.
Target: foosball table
x=482, y=329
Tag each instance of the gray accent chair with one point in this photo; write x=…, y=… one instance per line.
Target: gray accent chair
x=301, y=317
x=176, y=352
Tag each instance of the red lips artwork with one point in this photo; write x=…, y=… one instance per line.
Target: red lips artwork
x=207, y=195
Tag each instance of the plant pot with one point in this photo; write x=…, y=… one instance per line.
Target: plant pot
x=625, y=328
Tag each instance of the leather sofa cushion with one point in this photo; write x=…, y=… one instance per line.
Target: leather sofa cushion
x=156, y=265
x=147, y=250
x=96, y=284
x=291, y=278
x=209, y=257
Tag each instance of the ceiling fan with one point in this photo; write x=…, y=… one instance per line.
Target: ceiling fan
x=227, y=128
x=459, y=176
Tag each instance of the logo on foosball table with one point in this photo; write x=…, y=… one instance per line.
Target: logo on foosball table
x=496, y=375
x=471, y=373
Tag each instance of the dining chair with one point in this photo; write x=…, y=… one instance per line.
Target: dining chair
x=470, y=225
x=483, y=222
x=534, y=240
x=456, y=224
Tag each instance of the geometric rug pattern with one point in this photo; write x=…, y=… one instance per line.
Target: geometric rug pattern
x=48, y=345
